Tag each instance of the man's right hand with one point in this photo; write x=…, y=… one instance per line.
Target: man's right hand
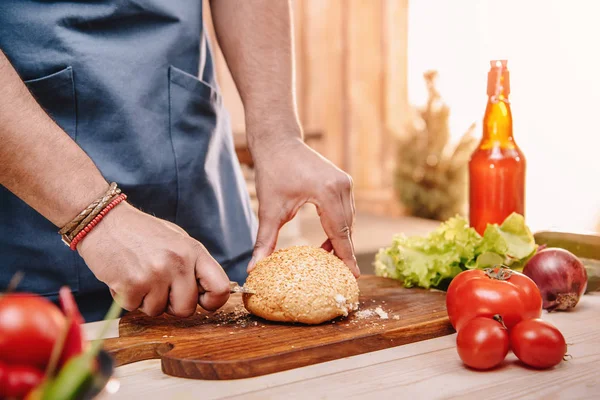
x=152, y=264
x=149, y=263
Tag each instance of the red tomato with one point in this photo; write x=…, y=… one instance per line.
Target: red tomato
x=29, y=326
x=532, y=297
x=477, y=293
x=482, y=343
x=538, y=343
x=75, y=341
x=18, y=380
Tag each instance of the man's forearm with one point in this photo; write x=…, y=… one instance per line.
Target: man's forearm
x=256, y=39
x=38, y=161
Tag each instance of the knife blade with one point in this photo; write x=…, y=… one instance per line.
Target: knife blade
x=234, y=287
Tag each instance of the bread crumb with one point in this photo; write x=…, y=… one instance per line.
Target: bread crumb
x=382, y=314
x=367, y=313
x=340, y=302
x=362, y=314
x=238, y=317
x=396, y=317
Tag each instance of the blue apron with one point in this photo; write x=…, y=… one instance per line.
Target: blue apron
x=132, y=83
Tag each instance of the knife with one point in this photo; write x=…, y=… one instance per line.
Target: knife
x=234, y=287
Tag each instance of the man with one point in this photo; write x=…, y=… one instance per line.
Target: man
x=96, y=92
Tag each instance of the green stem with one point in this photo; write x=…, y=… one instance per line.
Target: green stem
x=498, y=318
x=14, y=282
x=499, y=272
x=58, y=348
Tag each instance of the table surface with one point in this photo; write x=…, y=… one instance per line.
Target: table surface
x=427, y=369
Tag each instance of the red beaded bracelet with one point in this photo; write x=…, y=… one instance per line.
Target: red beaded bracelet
x=79, y=237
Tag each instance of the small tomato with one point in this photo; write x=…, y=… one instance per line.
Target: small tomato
x=16, y=381
x=29, y=326
x=538, y=343
x=482, y=343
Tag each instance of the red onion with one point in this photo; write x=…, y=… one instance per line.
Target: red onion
x=560, y=276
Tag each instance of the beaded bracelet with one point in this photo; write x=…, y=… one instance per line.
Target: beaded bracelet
x=101, y=202
x=79, y=237
x=71, y=229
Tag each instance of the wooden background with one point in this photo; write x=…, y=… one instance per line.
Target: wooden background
x=351, y=75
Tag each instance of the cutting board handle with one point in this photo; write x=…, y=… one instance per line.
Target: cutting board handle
x=127, y=350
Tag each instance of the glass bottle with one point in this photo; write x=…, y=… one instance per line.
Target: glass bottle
x=497, y=166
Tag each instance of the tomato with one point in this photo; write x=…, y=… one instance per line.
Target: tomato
x=482, y=343
x=16, y=381
x=477, y=293
x=538, y=343
x=532, y=297
x=75, y=341
x=29, y=326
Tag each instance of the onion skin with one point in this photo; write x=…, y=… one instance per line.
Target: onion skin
x=560, y=276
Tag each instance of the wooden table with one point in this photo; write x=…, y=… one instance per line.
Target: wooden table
x=429, y=369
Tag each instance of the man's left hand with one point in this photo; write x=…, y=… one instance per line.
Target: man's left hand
x=288, y=175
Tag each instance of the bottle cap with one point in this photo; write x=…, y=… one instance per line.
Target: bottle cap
x=498, y=78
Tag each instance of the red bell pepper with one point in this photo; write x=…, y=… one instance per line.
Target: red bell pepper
x=76, y=342
x=16, y=381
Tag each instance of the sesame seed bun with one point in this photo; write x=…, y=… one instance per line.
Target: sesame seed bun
x=301, y=284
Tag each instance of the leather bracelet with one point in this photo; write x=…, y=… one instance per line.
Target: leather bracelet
x=108, y=197
x=71, y=225
x=71, y=229
x=83, y=233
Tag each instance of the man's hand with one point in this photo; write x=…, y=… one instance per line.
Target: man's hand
x=256, y=40
x=290, y=174
x=152, y=264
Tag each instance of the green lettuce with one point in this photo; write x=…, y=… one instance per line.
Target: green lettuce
x=433, y=260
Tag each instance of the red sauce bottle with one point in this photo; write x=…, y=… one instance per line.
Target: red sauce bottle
x=497, y=166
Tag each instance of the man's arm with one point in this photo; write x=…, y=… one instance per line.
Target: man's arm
x=150, y=263
x=256, y=39
x=58, y=184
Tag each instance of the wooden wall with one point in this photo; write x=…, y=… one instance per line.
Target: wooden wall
x=351, y=74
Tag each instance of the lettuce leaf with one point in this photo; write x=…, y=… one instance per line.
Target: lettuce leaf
x=433, y=260
x=512, y=240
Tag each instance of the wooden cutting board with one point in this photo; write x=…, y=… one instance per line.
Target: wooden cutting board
x=230, y=344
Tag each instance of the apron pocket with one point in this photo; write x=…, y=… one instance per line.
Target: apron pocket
x=29, y=242
x=213, y=202
x=56, y=95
